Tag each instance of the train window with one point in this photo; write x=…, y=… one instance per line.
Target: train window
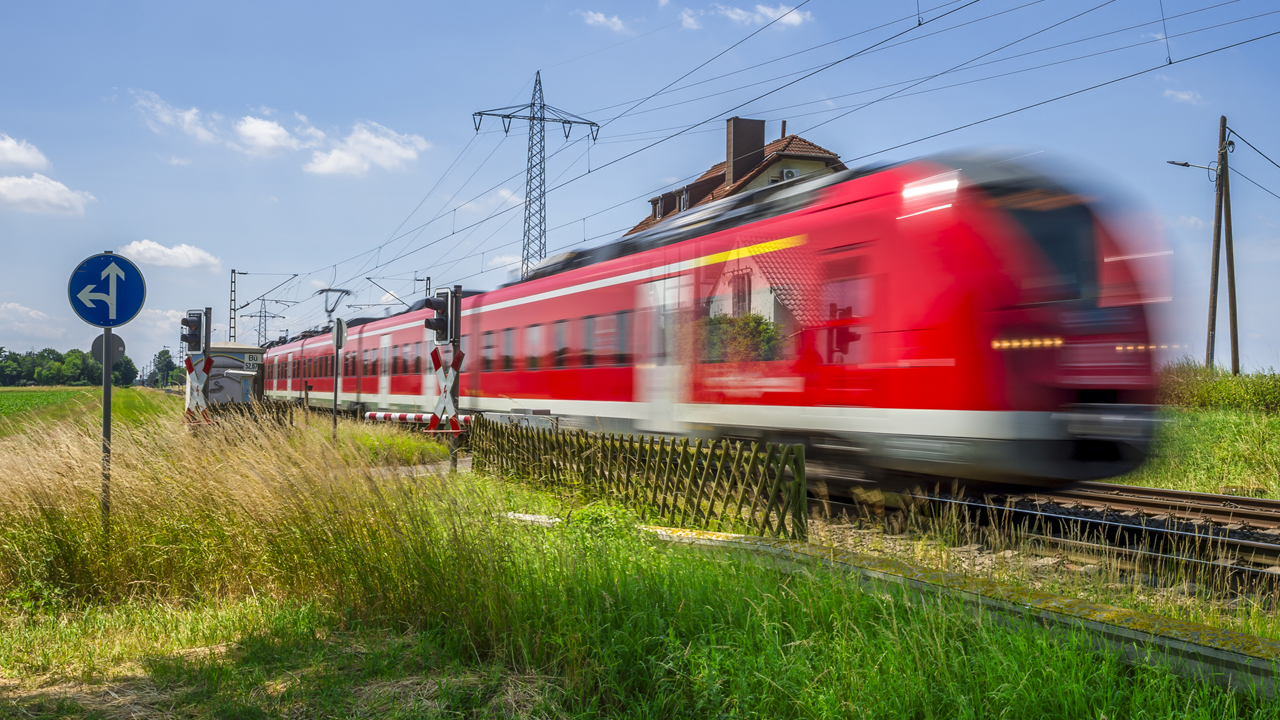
x=395, y=359
x=417, y=358
x=384, y=367
x=588, y=341
x=605, y=346
x=508, y=348
x=488, y=352
x=561, y=349
x=532, y=346
x=624, y=346
x=1062, y=228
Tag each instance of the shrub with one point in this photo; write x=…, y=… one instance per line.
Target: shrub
x=1188, y=384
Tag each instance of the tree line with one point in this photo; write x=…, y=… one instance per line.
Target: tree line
x=77, y=367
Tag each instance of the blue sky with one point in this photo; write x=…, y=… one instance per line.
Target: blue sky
x=336, y=141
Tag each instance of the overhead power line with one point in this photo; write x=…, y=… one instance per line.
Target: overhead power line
x=1236, y=171
x=1255, y=149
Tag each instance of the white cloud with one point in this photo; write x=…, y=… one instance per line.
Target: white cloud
x=368, y=144
x=596, y=18
x=312, y=136
x=689, y=19
x=160, y=114
x=1191, y=221
x=1186, y=96
x=264, y=136
x=175, y=160
x=389, y=297
x=763, y=14
x=20, y=320
x=663, y=3
x=494, y=200
x=150, y=252
x=39, y=194
x=503, y=260
x=21, y=153
x=159, y=325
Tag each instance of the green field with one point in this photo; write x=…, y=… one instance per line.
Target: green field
x=19, y=401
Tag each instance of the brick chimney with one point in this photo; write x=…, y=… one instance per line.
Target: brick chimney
x=744, y=147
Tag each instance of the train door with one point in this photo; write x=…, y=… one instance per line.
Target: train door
x=661, y=369
x=288, y=373
x=384, y=368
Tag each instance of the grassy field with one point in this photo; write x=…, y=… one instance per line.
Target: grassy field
x=268, y=572
x=21, y=407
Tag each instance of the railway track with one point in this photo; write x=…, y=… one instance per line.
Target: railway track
x=1134, y=525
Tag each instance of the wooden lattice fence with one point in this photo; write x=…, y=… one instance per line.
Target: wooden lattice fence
x=708, y=484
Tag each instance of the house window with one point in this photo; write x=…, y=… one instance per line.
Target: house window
x=740, y=287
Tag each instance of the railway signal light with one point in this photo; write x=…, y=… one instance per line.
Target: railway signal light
x=445, y=322
x=194, y=334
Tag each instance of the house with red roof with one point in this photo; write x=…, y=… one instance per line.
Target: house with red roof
x=749, y=163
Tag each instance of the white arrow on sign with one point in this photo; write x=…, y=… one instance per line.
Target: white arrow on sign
x=111, y=272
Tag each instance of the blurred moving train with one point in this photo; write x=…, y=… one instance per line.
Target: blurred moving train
x=961, y=316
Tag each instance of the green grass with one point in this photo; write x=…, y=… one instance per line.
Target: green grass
x=1214, y=451
x=268, y=572
x=585, y=620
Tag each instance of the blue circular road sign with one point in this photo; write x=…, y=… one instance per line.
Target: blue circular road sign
x=106, y=290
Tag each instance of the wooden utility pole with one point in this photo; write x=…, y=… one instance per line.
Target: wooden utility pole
x=1221, y=218
x=1217, y=244
x=1231, y=259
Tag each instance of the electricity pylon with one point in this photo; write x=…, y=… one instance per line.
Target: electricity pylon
x=538, y=113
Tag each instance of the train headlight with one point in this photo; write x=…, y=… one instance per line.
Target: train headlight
x=1026, y=343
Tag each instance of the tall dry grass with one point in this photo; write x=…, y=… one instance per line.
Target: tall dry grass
x=237, y=509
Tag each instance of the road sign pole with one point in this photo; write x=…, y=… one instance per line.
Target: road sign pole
x=106, y=432
x=125, y=293
x=337, y=375
x=456, y=318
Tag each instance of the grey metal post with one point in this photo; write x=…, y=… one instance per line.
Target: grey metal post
x=106, y=432
x=337, y=375
x=208, y=352
x=1217, y=243
x=456, y=312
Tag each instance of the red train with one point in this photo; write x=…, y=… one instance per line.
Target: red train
x=954, y=316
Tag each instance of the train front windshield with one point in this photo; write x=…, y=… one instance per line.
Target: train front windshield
x=1062, y=228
